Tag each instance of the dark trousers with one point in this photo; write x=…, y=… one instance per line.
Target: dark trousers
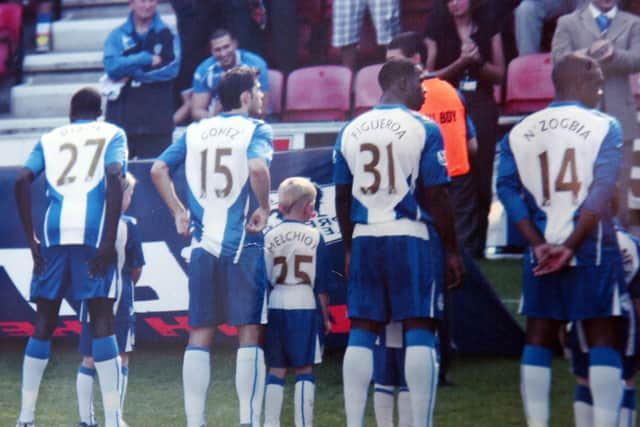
x=464, y=201
x=148, y=146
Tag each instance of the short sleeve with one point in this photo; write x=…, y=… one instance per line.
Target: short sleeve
x=322, y=268
x=200, y=79
x=175, y=154
x=35, y=162
x=261, y=145
x=117, y=151
x=433, y=163
x=341, y=172
x=134, y=256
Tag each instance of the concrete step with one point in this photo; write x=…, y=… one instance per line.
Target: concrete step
x=105, y=9
x=82, y=35
x=63, y=62
x=45, y=100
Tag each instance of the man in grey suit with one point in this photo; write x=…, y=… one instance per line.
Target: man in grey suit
x=612, y=37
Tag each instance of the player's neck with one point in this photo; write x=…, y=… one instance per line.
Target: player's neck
x=295, y=216
x=391, y=98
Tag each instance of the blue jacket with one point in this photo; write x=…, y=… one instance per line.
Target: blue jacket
x=145, y=104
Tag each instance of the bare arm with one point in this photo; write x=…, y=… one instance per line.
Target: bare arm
x=260, y=180
x=343, y=214
x=135, y=275
x=439, y=207
x=494, y=69
x=324, y=308
x=23, y=200
x=165, y=187
x=450, y=71
x=200, y=105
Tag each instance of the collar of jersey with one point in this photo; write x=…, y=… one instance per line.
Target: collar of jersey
x=390, y=106
x=567, y=103
x=293, y=220
x=78, y=121
x=232, y=114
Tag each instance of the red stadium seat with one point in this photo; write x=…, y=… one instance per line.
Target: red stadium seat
x=529, y=86
x=10, y=23
x=318, y=93
x=366, y=89
x=275, y=92
x=635, y=88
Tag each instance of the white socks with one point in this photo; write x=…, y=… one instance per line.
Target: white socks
x=383, y=405
x=105, y=356
x=605, y=379
x=274, y=395
x=250, y=379
x=404, y=408
x=421, y=372
x=583, y=406
x=123, y=387
x=535, y=383
x=303, y=400
x=196, y=372
x=357, y=370
x=84, y=390
x=35, y=361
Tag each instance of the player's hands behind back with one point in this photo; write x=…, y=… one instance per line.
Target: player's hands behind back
x=455, y=271
x=551, y=258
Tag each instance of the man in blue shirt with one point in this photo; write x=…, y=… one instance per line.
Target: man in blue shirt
x=224, y=56
x=226, y=161
x=556, y=178
x=143, y=56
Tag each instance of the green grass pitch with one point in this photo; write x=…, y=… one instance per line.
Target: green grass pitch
x=486, y=391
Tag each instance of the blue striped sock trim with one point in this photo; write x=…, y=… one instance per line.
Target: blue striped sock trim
x=403, y=389
x=383, y=390
x=605, y=356
x=255, y=382
x=196, y=348
x=306, y=377
x=38, y=349
x=125, y=370
x=105, y=348
x=361, y=338
x=583, y=394
x=629, y=399
x=273, y=380
x=87, y=371
x=534, y=355
x=420, y=337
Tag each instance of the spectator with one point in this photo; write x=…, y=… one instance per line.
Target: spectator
x=224, y=56
x=530, y=17
x=347, y=24
x=465, y=48
x=283, y=20
x=611, y=37
x=143, y=55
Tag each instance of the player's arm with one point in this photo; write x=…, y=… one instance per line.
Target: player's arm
x=260, y=153
x=321, y=286
x=106, y=253
x=434, y=198
x=343, y=180
x=134, y=254
x=23, y=200
x=200, y=105
x=161, y=178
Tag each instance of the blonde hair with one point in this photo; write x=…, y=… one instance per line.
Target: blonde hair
x=293, y=190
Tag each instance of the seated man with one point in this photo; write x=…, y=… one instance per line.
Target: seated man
x=224, y=56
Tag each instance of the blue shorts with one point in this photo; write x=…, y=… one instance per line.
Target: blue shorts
x=292, y=339
x=574, y=293
x=388, y=366
x=223, y=292
x=395, y=278
x=125, y=323
x=67, y=274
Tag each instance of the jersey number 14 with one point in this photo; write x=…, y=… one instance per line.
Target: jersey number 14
x=562, y=181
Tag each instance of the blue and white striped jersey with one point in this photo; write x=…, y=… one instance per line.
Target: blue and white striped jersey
x=630, y=251
x=556, y=162
x=216, y=154
x=385, y=155
x=296, y=265
x=74, y=159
